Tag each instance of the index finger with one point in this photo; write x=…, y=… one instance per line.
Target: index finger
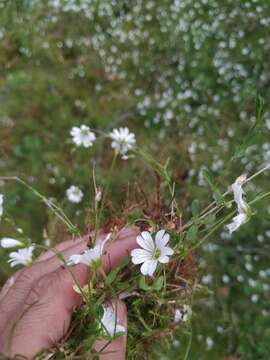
x=115, y=252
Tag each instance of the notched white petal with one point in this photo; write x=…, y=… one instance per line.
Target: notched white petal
x=145, y=241
x=167, y=251
x=163, y=259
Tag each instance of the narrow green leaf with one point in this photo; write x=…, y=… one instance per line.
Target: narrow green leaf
x=111, y=277
x=259, y=109
x=143, y=285
x=218, y=198
x=158, y=283
x=192, y=233
x=195, y=208
x=209, y=178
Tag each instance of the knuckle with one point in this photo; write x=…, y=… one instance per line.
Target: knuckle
x=27, y=274
x=40, y=289
x=48, y=281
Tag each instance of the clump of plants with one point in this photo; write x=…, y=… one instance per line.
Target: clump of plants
x=158, y=278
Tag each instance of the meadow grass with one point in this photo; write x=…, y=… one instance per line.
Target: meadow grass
x=184, y=76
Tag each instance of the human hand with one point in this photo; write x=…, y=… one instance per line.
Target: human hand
x=36, y=303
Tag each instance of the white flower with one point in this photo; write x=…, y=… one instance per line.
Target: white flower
x=209, y=343
x=225, y=279
x=207, y=279
x=10, y=243
x=123, y=141
x=243, y=209
x=109, y=322
x=151, y=252
x=238, y=220
x=74, y=194
x=98, y=196
x=239, y=193
x=90, y=256
x=182, y=314
x=220, y=329
x=82, y=136
x=255, y=298
x=1, y=205
x=22, y=256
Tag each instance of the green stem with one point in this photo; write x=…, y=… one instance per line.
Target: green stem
x=210, y=209
x=106, y=190
x=223, y=221
x=52, y=206
x=214, y=229
x=189, y=344
x=162, y=171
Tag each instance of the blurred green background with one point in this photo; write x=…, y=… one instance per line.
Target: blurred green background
x=184, y=76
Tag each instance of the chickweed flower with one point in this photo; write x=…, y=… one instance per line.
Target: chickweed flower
x=123, y=141
x=10, y=243
x=243, y=208
x=74, y=194
x=98, y=196
x=238, y=193
x=1, y=205
x=209, y=343
x=109, y=322
x=82, y=136
x=237, y=221
x=152, y=252
x=22, y=256
x=182, y=314
x=91, y=256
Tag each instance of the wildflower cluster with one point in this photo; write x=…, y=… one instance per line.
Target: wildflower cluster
x=160, y=254
x=123, y=141
x=149, y=63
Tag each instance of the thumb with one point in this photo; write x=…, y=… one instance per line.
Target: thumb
x=116, y=350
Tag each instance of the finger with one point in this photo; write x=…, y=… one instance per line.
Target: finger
x=24, y=279
x=68, y=247
x=59, y=300
x=9, y=283
x=119, y=249
x=45, y=317
x=48, y=316
x=62, y=246
x=116, y=350
x=73, y=243
x=15, y=292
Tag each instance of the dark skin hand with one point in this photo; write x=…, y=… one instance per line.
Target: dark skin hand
x=37, y=302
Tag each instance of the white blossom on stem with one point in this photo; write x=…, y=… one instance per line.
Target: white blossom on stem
x=82, y=136
x=152, y=252
x=123, y=141
x=74, y=194
x=237, y=221
x=21, y=257
x=243, y=208
x=10, y=243
x=109, y=322
x=182, y=314
x=90, y=256
x=239, y=194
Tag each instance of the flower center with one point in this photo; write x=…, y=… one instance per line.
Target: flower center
x=156, y=254
x=84, y=133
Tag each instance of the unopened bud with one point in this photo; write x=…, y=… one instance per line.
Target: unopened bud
x=98, y=196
